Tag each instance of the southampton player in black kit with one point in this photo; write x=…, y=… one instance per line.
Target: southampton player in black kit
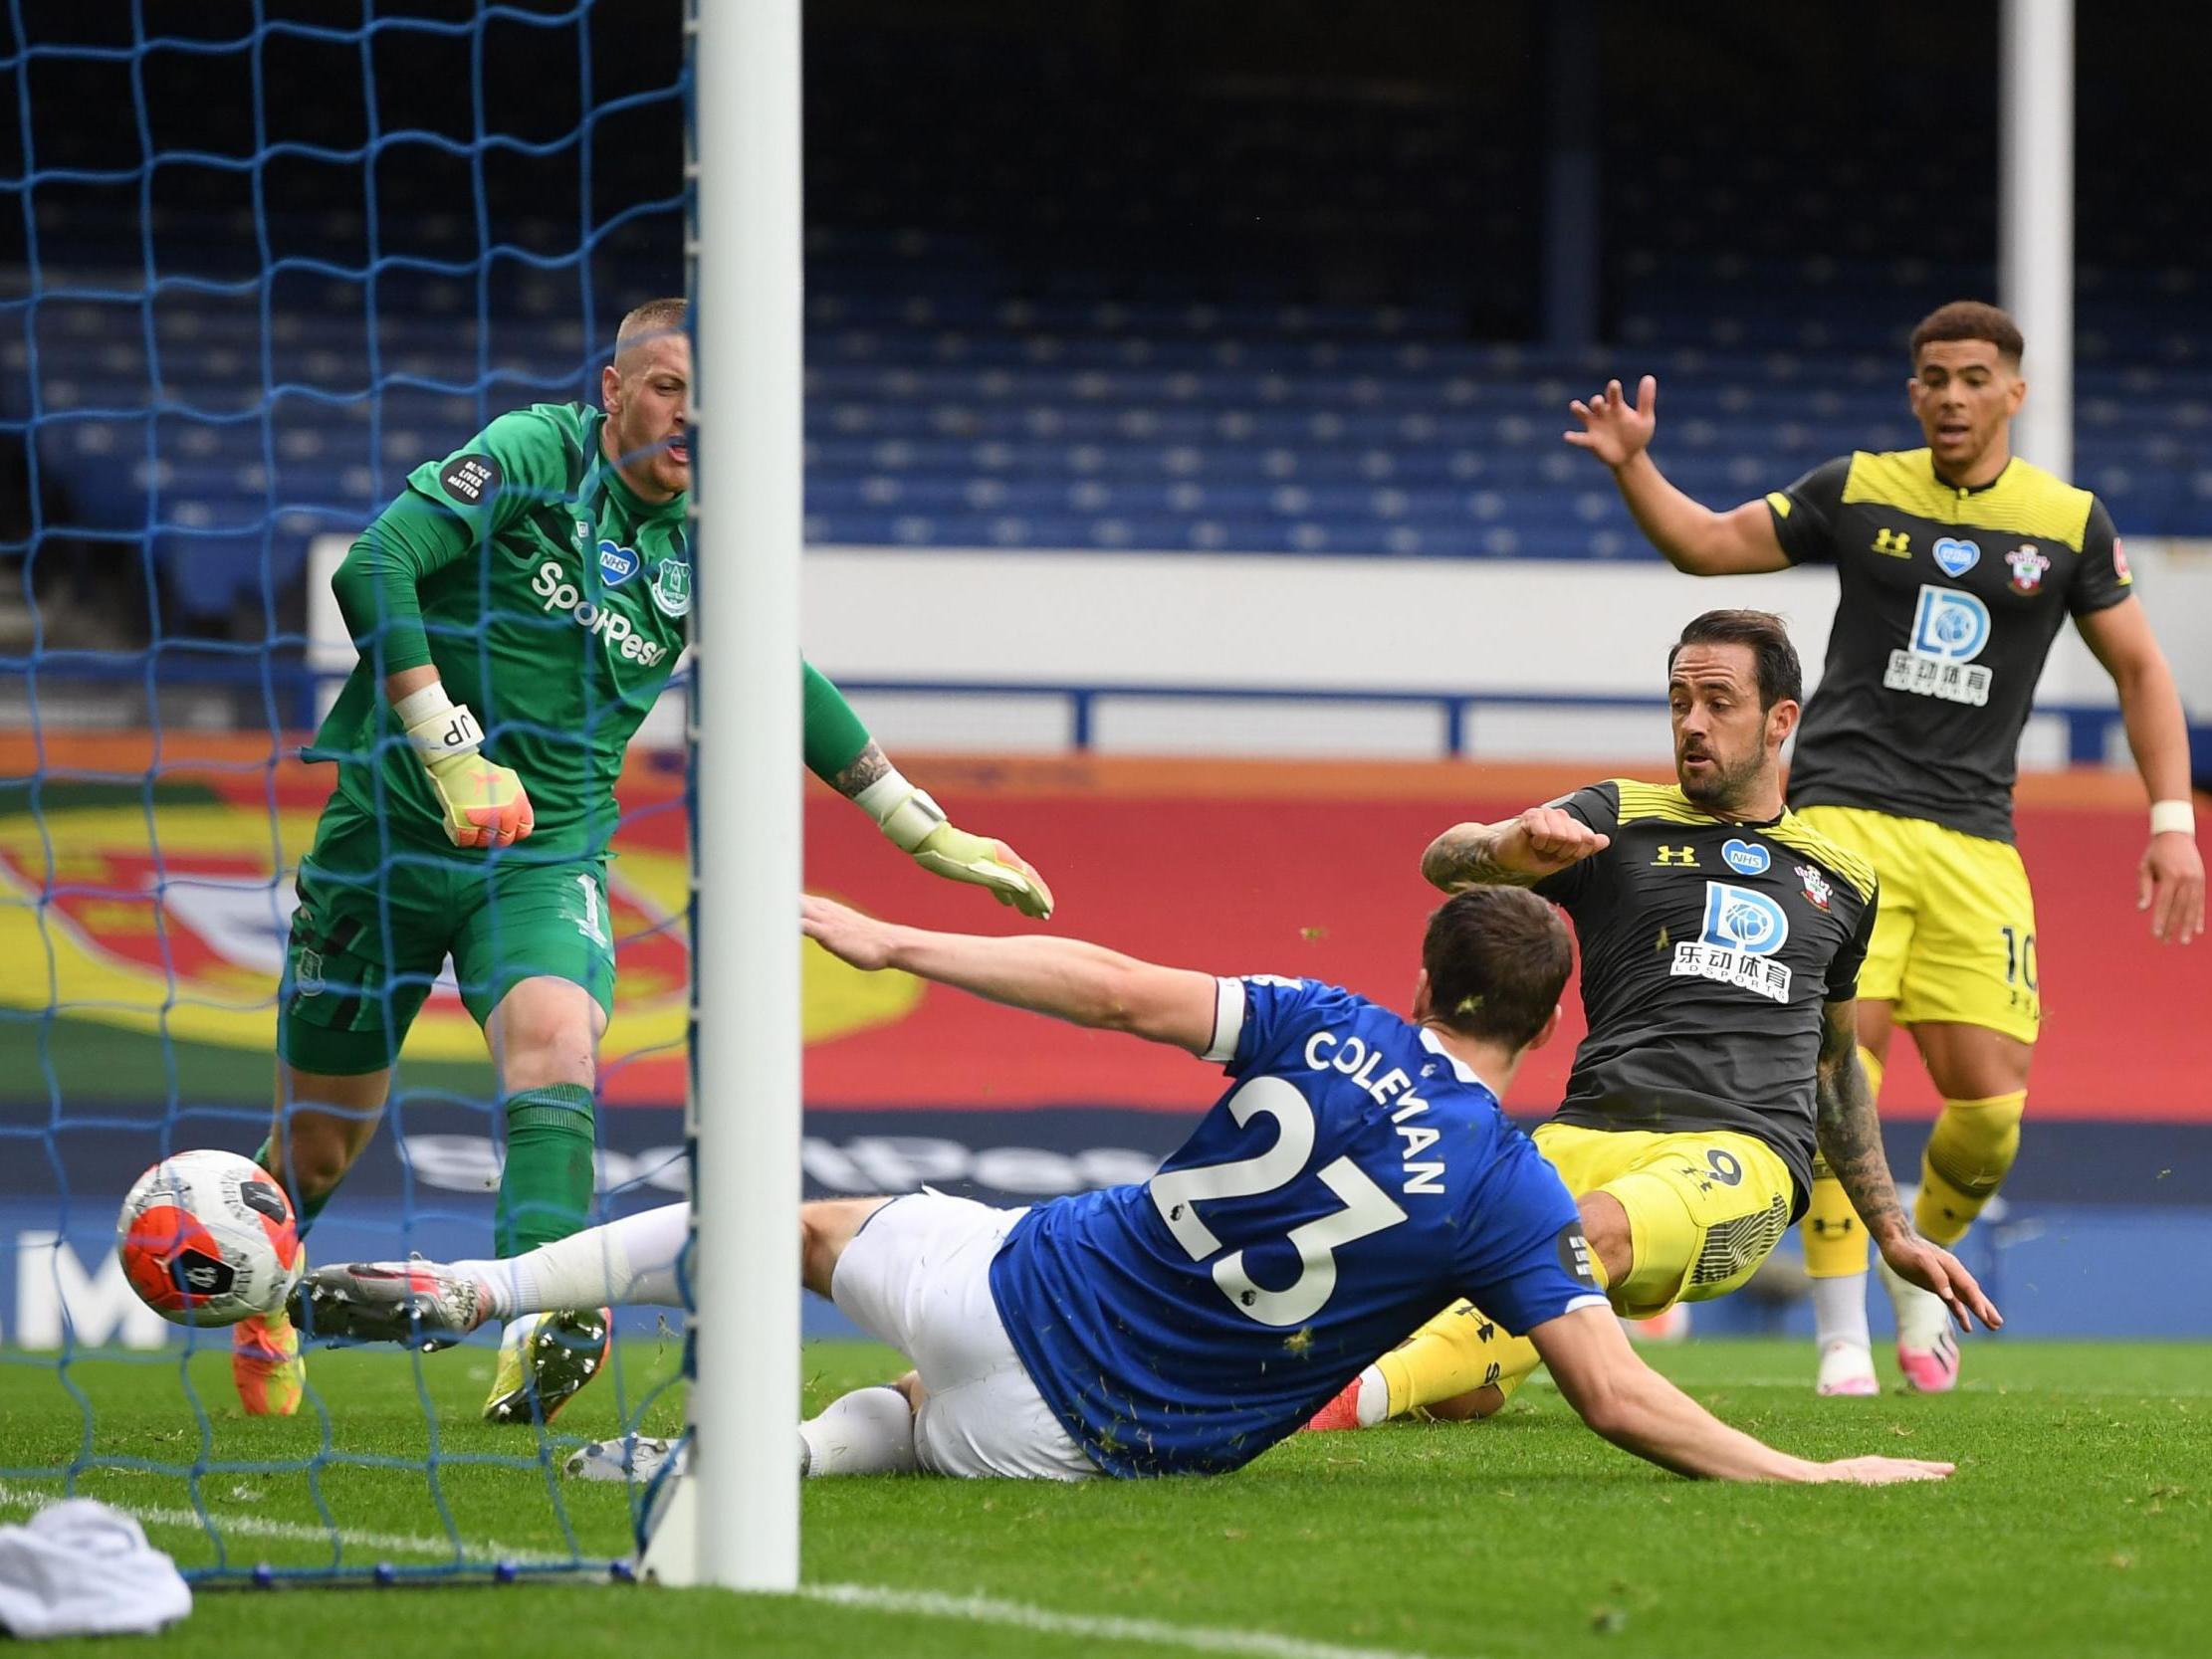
x=1721, y=944
x=1957, y=564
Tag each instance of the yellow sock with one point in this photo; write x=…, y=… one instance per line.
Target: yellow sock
x=1454, y=1354
x=1835, y=1240
x=1968, y=1154
x=1457, y=1353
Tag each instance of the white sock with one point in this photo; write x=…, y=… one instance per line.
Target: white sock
x=869, y=1431
x=1840, y=1311
x=626, y=1262
x=1373, y=1400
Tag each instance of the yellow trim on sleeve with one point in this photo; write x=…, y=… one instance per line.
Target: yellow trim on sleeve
x=1780, y=502
x=1662, y=801
x=1645, y=802
x=1794, y=831
x=2025, y=500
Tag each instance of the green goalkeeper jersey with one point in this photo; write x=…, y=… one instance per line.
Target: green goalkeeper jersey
x=554, y=603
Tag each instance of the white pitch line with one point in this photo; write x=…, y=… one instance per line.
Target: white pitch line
x=1098, y=1628
x=290, y=1532
x=1990, y=1390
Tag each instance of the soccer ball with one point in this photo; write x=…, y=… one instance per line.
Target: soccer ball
x=208, y=1238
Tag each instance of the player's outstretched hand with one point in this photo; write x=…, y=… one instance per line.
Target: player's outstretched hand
x=2170, y=885
x=1614, y=429
x=1545, y=840
x=484, y=804
x=845, y=933
x=1882, y=1471
x=1934, y=1268
x=977, y=859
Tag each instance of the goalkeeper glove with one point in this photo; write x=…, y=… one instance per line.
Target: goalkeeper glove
x=917, y=825
x=484, y=804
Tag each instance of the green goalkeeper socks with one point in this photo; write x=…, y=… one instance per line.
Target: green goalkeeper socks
x=544, y=1192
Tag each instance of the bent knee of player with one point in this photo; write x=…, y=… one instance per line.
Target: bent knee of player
x=1972, y=1062
x=826, y=1227
x=1605, y=1227
x=546, y=1031
x=315, y=1154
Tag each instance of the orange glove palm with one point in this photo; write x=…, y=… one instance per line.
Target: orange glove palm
x=485, y=803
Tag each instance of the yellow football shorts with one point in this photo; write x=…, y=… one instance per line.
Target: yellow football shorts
x=1955, y=937
x=1704, y=1209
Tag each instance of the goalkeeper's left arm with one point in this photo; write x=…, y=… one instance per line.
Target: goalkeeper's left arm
x=840, y=752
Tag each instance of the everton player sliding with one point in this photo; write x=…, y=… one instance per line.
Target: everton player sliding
x=1356, y=1175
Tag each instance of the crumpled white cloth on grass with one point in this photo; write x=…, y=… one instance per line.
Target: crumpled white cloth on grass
x=81, y=1569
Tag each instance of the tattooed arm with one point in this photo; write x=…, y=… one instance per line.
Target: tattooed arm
x=868, y=766
x=1849, y=1137
x=1846, y=1129
x=1520, y=852
x=843, y=755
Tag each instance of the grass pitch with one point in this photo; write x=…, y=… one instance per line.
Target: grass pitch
x=2080, y=1522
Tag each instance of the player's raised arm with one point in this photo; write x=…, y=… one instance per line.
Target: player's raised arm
x=1067, y=979
x=840, y=752
x=1849, y=1138
x=1517, y=852
x=1640, y=1411
x=2169, y=881
x=1693, y=537
x=375, y=587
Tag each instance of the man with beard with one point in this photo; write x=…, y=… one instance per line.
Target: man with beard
x=519, y=611
x=1721, y=944
x=1956, y=565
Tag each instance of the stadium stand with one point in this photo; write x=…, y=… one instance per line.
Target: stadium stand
x=1268, y=346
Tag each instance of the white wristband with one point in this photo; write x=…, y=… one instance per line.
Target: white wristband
x=436, y=725
x=904, y=813
x=2173, y=818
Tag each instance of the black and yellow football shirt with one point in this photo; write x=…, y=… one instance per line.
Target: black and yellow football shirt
x=1708, y=947
x=1949, y=600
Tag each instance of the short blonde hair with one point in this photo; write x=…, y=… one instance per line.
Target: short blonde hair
x=649, y=321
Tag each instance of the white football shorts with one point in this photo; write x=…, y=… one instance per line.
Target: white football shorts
x=917, y=1276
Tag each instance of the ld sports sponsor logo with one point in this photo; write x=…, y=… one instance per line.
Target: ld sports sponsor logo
x=1743, y=929
x=561, y=595
x=1949, y=630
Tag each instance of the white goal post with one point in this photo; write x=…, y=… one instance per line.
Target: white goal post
x=733, y=1519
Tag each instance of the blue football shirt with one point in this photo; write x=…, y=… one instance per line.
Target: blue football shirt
x=1354, y=1180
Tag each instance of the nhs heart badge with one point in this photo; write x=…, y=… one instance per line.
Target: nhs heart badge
x=1746, y=857
x=617, y=564
x=1956, y=558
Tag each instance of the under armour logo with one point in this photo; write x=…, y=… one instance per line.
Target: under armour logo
x=1675, y=857
x=1896, y=543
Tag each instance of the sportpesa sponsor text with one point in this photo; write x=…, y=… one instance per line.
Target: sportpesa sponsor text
x=551, y=584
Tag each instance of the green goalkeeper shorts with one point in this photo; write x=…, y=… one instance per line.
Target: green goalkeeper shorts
x=378, y=917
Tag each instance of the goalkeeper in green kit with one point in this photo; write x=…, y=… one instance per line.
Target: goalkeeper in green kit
x=519, y=611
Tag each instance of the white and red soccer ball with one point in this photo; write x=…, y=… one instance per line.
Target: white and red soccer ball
x=208, y=1238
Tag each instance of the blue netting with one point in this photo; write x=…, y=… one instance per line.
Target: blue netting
x=260, y=264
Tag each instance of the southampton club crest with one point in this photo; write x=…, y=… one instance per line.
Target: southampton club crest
x=1817, y=887
x=672, y=586
x=2027, y=567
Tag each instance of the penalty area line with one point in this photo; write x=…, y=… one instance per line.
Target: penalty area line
x=1097, y=1627
x=228, y=1525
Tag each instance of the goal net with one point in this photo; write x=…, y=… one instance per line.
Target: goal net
x=259, y=262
